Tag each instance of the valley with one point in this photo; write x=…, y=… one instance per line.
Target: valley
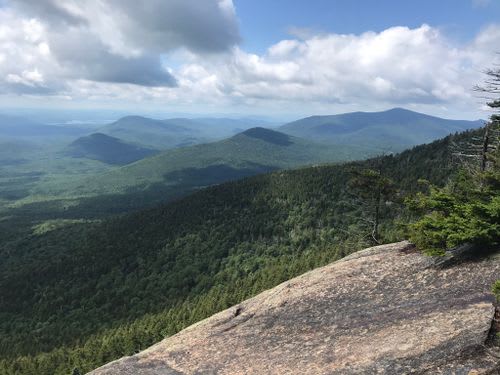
x=86, y=171
x=231, y=187
x=128, y=281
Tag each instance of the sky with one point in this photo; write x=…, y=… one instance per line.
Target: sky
x=275, y=58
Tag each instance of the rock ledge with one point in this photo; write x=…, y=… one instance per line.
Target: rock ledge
x=382, y=310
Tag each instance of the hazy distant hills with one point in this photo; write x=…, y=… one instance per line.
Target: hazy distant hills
x=194, y=153
x=19, y=127
x=392, y=130
x=107, y=149
x=224, y=127
x=253, y=151
x=178, y=171
x=175, y=132
x=149, y=132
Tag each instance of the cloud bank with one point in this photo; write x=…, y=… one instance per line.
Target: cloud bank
x=115, y=41
x=124, y=51
x=399, y=66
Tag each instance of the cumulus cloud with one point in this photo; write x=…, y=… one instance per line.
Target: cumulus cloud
x=398, y=66
x=118, y=50
x=53, y=11
x=92, y=60
x=24, y=56
x=158, y=25
x=130, y=26
x=116, y=41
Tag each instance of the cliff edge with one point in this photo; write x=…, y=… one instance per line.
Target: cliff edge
x=383, y=310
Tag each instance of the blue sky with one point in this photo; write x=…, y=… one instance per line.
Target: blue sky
x=266, y=22
x=278, y=58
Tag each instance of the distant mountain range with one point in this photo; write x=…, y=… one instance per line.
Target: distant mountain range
x=107, y=149
x=19, y=127
x=157, y=134
x=194, y=153
x=175, y=132
x=147, y=132
x=181, y=170
x=392, y=130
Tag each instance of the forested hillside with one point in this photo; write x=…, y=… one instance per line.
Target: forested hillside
x=87, y=293
x=107, y=149
x=170, y=174
x=52, y=183
x=164, y=161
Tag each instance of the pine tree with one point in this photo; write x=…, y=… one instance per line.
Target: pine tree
x=372, y=189
x=467, y=210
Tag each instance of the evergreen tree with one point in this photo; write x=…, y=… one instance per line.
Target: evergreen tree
x=372, y=190
x=467, y=210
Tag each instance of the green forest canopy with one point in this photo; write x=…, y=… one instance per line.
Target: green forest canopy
x=86, y=293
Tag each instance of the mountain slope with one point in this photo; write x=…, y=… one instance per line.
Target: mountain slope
x=149, y=132
x=225, y=127
x=381, y=310
x=175, y=132
x=178, y=171
x=86, y=293
x=107, y=149
x=392, y=130
x=216, y=128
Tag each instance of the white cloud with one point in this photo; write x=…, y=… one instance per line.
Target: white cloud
x=28, y=78
x=398, y=66
x=44, y=49
x=25, y=54
x=129, y=27
x=116, y=41
x=95, y=50
x=33, y=30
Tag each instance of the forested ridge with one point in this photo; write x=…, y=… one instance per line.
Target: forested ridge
x=37, y=195
x=84, y=294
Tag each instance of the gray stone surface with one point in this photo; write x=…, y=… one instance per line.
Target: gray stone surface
x=383, y=310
